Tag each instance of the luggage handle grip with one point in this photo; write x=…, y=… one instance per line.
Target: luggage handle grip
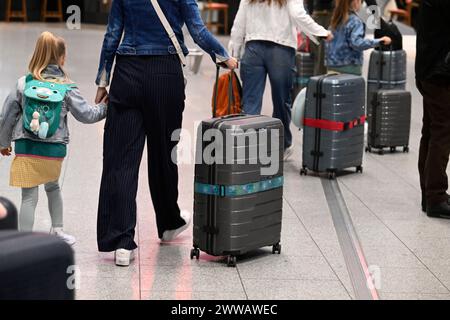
x=229, y=116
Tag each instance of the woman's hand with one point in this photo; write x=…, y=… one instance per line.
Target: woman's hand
x=6, y=152
x=101, y=95
x=386, y=40
x=329, y=37
x=232, y=63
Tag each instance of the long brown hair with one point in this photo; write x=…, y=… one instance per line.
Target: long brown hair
x=340, y=13
x=281, y=3
x=49, y=50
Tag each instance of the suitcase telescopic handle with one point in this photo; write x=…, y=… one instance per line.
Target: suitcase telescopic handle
x=380, y=73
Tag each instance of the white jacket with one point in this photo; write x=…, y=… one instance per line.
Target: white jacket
x=260, y=21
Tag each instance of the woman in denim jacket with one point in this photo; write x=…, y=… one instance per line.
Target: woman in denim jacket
x=146, y=101
x=345, y=51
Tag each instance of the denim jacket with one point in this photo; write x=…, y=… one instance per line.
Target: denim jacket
x=348, y=44
x=11, y=123
x=143, y=33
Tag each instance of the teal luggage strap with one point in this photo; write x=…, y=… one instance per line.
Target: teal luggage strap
x=238, y=190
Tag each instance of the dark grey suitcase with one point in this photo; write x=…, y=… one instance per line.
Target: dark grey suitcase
x=35, y=267
x=393, y=66
x=333, y=135
x=304, y=71
x=390, y=123
x=373, y=87
x=387, y=70
x=236, y=208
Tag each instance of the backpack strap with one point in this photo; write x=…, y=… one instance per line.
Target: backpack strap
x=71, y=86
x=29, y=78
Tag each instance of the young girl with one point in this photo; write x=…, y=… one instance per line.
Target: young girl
x=34, y=116
x=345, y=51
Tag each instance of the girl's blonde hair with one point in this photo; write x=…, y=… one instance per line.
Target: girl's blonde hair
x=50, y=49
x=341, y=13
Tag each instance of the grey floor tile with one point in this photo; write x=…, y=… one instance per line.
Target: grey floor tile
x=189, y=278
x=286, y=267
x=410, y=280
x=186, y=295
x=99, y=288
x=298, y=290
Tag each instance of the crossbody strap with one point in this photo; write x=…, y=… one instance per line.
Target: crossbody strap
x=169, y=31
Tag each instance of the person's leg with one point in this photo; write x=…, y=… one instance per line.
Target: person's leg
x=163, y=107
x=423, y=149
x=124, y=141
x=280, y=62
x=55, y=203
x=437, y=105
x=30, y=198
x=253, y=75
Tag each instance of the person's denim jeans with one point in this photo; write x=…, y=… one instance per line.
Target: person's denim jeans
x=264, y=58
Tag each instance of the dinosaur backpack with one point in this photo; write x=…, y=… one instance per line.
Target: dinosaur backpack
x=42, y=106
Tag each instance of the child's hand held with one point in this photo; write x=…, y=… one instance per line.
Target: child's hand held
x=386, y=40
x=6, y=152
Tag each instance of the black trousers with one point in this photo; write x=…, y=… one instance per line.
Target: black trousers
x=146, y=101
x=435, y=143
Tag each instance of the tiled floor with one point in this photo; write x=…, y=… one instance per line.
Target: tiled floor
x=410, y=251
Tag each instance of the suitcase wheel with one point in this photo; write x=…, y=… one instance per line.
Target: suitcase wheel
x=276, y=248
x=195, y=253
x=303, y=172
x=359, y=169
x=231, y=262
x=406, y=149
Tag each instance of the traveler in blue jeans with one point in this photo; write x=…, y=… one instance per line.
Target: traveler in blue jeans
x=270, y=50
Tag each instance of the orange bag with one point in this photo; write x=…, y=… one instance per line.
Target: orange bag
x=227, y=94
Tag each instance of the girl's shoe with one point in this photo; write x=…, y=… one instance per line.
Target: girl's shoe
x=70, y=240
x=123, y=257
x=170, y=235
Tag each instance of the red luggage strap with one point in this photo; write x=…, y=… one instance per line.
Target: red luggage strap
x=333, y=125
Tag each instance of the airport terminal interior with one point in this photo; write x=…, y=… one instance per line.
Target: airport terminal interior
x=405, y=251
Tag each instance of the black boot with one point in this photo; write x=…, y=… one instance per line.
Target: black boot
x=441, y=210
x=424, y=203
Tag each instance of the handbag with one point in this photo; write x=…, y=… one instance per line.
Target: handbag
x=171, y=35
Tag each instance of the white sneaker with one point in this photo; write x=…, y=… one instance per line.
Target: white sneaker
x=288, y=153
x=123, y=257
x=70, y=240
x=170, y=235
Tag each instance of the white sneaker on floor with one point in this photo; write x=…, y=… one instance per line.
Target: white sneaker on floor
x=170, y=235
x=70, y=240
x=123, y=257
x=288, y=153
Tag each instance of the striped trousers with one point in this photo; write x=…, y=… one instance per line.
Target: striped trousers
x=146, y=102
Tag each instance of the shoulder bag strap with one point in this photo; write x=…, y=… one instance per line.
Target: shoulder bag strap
x=169, y=31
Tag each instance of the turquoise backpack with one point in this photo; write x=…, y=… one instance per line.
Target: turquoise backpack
x=43, y=105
